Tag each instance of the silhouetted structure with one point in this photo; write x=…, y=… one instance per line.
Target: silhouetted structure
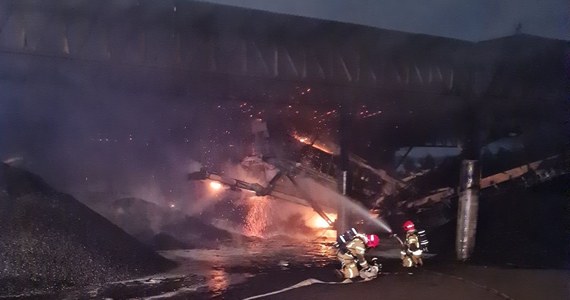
x=452, y=88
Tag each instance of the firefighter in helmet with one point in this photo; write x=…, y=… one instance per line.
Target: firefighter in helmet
x=411, y=252
x=352, y=249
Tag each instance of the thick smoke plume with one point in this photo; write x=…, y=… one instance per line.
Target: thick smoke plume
x=96, y=142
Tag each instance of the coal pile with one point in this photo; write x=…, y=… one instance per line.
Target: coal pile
x=162, y=227
x=163, y=241
x=49, y=241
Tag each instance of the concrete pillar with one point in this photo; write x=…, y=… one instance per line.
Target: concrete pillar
x=342, y=220
x=468, y=206
x=344, y=180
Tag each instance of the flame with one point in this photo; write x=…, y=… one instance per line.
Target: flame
x=318, y=222
x=215, y=186
x=316, y=145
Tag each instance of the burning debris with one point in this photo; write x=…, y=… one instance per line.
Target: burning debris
x=308, y=165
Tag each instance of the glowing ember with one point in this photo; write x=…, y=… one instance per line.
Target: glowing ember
x=314, y=144
x=320, y=223
x=215, y=186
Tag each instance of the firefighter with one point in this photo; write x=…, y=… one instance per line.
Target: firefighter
x=411, y=252
x=352, y=249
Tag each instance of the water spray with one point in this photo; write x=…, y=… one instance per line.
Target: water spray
x=361, y=211
x=354, y=207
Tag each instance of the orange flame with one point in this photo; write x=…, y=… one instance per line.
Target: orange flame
x=316, y=145
x=318, y=222
x=215, y=186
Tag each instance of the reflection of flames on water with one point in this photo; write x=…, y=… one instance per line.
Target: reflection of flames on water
x=218, y=282
x=257, y=218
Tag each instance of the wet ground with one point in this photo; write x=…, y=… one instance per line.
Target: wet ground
x=462, y=282
x=207, y=273
x=521, y=253
x=256, y=268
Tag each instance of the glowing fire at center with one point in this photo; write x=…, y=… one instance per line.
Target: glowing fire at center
x=320, y=223
x=215, y=186
x=314, y=144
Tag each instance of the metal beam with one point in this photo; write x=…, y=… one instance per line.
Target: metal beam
x=145, y=33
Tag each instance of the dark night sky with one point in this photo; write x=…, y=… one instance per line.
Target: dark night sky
x=473, y=20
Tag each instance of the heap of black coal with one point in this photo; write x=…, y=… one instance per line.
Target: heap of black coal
x=163, y=228
x=49, y=240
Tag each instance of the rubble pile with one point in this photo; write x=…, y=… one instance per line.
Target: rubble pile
x=49, y=241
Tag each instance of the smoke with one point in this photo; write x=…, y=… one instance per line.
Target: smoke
x=271, y=216
x=75, y=125
x=101, y=144
x=331, y=199
x=194, y=166
x=267, y=216
x=86, y=140
x=14, y=161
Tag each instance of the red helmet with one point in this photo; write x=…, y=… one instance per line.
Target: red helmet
x=409, y=225
x=372, y=240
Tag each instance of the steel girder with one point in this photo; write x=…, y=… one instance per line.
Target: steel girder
x=216, y=40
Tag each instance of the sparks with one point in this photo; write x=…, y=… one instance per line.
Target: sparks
x=316, y=145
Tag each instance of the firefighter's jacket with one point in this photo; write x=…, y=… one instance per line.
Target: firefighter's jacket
x=412, y=244
x=355, y=254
